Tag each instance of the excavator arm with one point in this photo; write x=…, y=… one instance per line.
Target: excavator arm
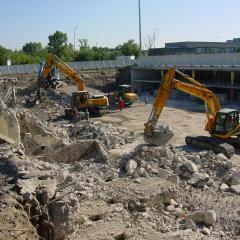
x=193, y=88
x=53, y=60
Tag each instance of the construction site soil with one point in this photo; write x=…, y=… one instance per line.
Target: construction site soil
x=98, y=179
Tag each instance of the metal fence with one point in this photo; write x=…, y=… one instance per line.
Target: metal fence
x=194, y=60
x=90, y=65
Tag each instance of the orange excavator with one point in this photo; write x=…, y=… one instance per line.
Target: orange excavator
x=81, y=100
x=222, y=124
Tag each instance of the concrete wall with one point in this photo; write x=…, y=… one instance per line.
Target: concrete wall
x=226, y=83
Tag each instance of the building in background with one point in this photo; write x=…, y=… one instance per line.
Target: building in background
x=177, y=48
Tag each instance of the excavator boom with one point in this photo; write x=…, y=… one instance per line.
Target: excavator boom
x=53, y=60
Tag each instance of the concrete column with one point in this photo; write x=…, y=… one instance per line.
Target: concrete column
x=232, y=90
x=162, y=74
x=232, y=77
x=193, y=74
x=214, y=75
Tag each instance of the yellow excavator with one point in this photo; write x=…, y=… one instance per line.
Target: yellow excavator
x=222, y=124
x=125, y=91
x=81, y=100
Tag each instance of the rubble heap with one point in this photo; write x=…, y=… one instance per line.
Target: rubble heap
x=109, y=135
x=199, y=170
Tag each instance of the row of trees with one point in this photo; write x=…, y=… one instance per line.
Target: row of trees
x=34, y=52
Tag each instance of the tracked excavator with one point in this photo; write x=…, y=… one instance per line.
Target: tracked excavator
x=81, y=100
x=222, y=124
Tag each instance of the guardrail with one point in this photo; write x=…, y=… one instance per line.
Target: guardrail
x=194, y=60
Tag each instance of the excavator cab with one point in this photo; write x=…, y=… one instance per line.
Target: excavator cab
x=125, y=91
x=226, y=121
x=79, y=99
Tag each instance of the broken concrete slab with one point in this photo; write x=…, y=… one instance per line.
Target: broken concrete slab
x=163, y=173
x=224, y=187
x=236, y=188
x=131, y=166
x=199, y=179
x=191, y=167
x=32, y=184
x=70, y=153
x=208, y=217
x=9, y=125
x=63, y=213
x=234, y=179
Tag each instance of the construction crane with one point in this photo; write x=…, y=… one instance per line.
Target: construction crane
x=222, y=124
x=81, y=100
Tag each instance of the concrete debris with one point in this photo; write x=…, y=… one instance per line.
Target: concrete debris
x=79, y=181
x=9, y=125
x=224, y=187
x=174, y=179
x=236, y=188
x=191, y=167
x=109, y=135
x=82, y=219
x=199, y=170
x=68, y=207
x=161, y=135
x=221, y=157
x=130, y=166
x=190, y=224
x=83, y=149
x=206, y=231
x=208, y=217
x=199, y=179
x=234, y=178
x=163, y=173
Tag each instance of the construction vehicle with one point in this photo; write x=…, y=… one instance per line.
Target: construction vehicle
x=124, y=92
x=81, y=100
x=222, y=124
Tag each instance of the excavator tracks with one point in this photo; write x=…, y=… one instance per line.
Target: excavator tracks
x=211, y=143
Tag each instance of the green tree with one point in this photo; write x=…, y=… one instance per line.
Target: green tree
x=19, y=57
x=68, y=53
x=4, y=55
x=85, y=52
x=129, y=48
x=57, y=43
x=32, y=48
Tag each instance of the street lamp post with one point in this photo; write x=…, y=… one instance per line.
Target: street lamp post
x=155, y=35
x=74, y=33
x=140, y=26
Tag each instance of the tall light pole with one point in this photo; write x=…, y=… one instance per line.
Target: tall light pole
x=74, y=33
x=155, y=35
x=140, y=26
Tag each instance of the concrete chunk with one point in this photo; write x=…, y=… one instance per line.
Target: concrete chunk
x=235, y=188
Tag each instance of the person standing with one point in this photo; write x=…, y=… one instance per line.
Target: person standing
x=121, y=104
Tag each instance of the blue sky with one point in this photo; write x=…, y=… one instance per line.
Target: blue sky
x=111, y=22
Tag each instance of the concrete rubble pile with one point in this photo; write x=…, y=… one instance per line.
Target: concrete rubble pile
x=200, y=170
x=71, y=187
x=37, y=184
x=109, y=135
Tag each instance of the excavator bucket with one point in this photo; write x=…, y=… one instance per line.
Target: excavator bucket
x=160, y=136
